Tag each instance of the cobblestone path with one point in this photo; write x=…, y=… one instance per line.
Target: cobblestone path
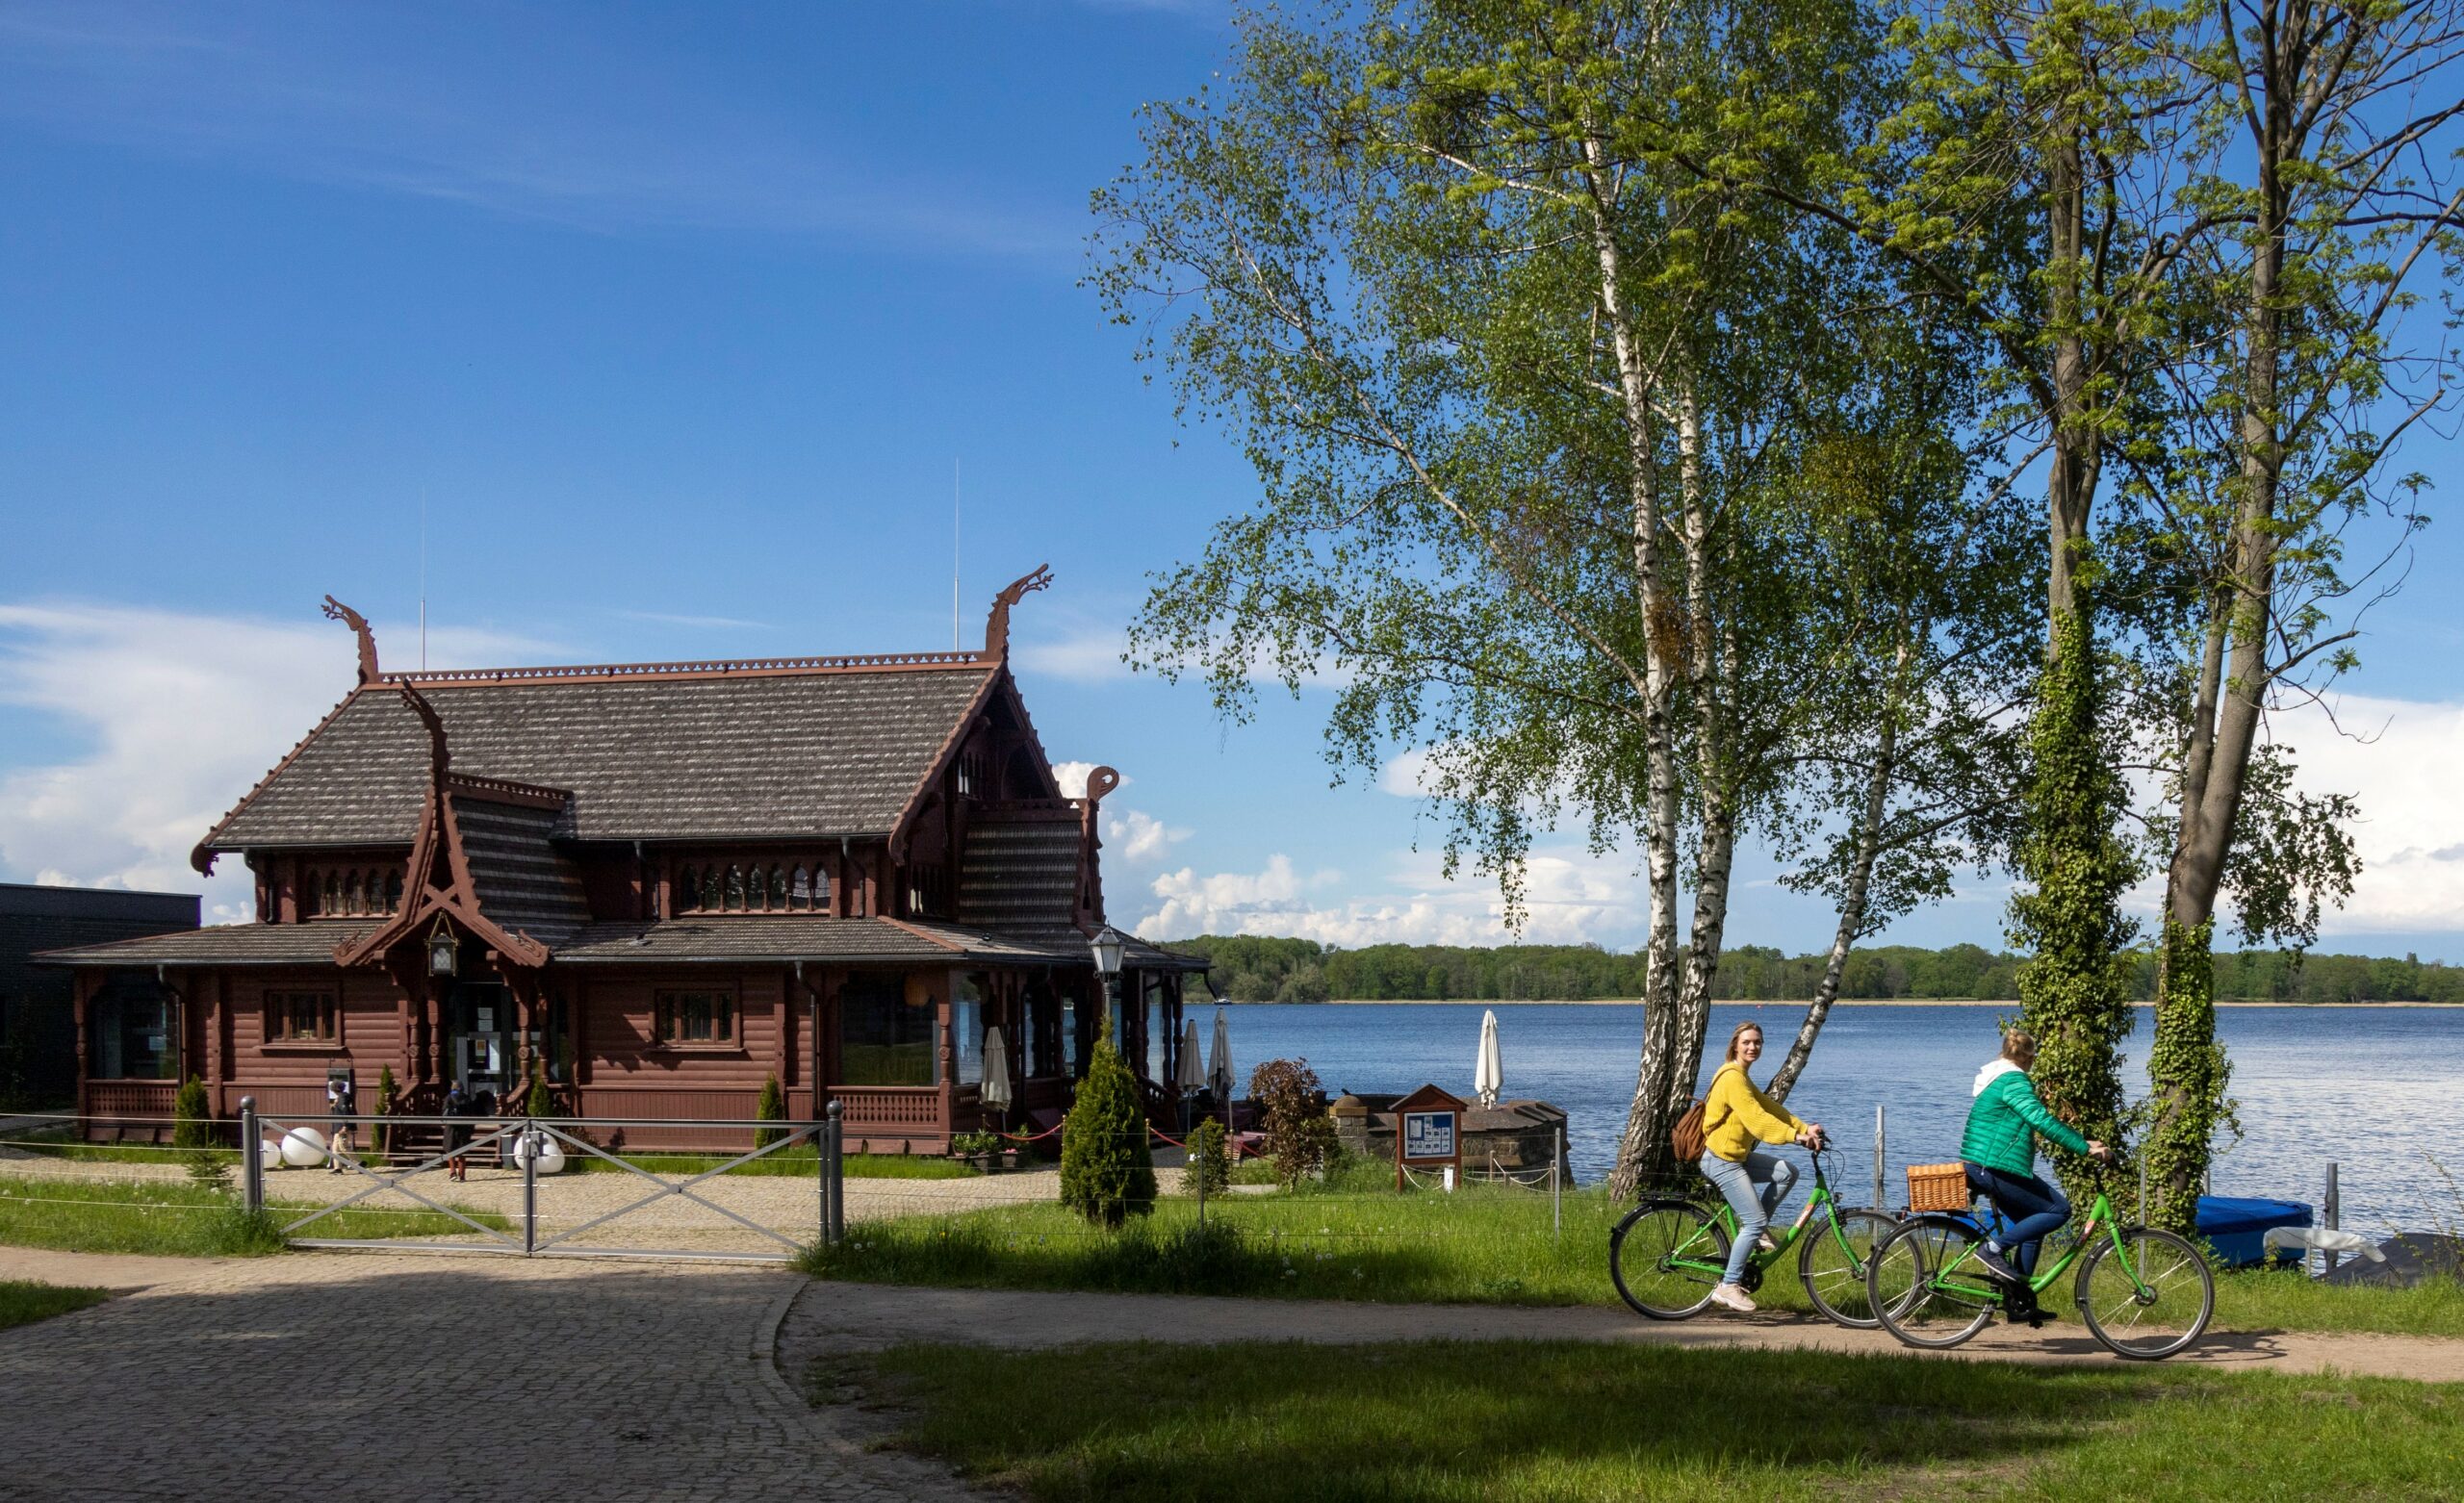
x=345, y=1377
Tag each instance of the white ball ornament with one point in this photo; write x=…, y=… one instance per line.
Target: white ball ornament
x=268, y=1153
x=550, y=1153
x=303, y=1148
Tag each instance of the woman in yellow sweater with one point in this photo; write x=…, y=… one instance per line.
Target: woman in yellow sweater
x=1737, y=1117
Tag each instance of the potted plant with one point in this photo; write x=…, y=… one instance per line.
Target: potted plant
x=983, y=1149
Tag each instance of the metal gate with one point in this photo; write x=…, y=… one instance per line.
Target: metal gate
x=550, y=1187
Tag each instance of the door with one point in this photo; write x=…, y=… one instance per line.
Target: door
x=482, y=1034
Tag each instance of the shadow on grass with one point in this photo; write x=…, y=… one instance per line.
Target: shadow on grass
x=1266, y=1423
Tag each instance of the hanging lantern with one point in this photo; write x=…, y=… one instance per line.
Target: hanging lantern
x=444, y=951
x=1108, y=945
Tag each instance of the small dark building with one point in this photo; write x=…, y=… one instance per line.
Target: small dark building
x=37, y=1023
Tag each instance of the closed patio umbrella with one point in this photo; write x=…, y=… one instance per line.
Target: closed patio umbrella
x=1488, y=1077
x=1193, y=1065
x=996, y=1071
x=1218, y=1063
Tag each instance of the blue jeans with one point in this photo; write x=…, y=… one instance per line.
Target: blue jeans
x=1753, y=1189
x=2036, y=1210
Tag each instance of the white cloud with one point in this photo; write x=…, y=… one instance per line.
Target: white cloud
x=2411, y=832
x=1134, y=836
x=179, y=715
x=1073, y=777
x=1087, y=656
x=1570, y=897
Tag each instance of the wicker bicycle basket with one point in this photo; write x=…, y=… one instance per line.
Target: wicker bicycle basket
x=1937, y=1186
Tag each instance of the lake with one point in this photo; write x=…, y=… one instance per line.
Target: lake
x=2372, y=1088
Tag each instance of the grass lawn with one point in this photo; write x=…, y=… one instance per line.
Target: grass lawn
x=24, y=1303
x=174, y=1217
x=1267, y=1423
x=62, y=1147
x=796, y=1161
x=1357, y=1239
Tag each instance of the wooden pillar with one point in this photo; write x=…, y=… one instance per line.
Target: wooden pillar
x=783, y=1027
x=579, y=1019
x=209, y=1034
x=944, y=1010
x=82, y=1001
x=434, y=1074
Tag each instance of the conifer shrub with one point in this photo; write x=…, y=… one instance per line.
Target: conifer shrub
x=192, y=1117
x=771, y=1108
x=1210, y=1157
x=539, y=1100
x=380, y=1137
x=1107, y=1170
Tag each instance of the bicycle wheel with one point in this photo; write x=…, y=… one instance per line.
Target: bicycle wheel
x=2150, y=1304
x=1924, y=1288
x=1832, y=1260
x=1664, y=1258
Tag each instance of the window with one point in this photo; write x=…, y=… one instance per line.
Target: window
x=301, y=1017
x=133, y=1037
x=885, y=1031
x=696, y=1017
x=688, y=891
x=966, y=1020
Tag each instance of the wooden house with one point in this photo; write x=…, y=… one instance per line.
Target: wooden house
x=659, y=884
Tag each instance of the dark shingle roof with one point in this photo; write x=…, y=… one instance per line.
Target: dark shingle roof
x=524, y=885
x=223, y=944
x=647, y=754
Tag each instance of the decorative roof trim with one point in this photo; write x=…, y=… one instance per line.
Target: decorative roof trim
x=996, y=626
x=907, y=812
x=505, y=790
x=716, y=667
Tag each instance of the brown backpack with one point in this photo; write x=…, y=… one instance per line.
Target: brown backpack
x=1687, y=1138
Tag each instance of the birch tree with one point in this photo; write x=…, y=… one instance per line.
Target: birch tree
x=1529, y=401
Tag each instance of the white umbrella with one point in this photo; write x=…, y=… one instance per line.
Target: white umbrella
x=1219, y=1061
x=996, y=1071
x=1192, y=1066
x=1489, y=1074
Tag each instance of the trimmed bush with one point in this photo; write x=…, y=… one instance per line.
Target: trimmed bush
x=1107, y=1170
x=771, y=1108
x=1301, y=1136
x=541, y=1102
x=192, y=1118
x=1210, y=1157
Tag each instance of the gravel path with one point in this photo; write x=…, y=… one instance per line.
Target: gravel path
x=830, y=1318
x=346, y=1377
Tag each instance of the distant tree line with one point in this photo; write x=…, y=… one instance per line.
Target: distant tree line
x=1253, y=968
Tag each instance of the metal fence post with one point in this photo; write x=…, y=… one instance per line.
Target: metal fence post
x=1878, y=1144
x=2335, y=1208
x=833, y=1178
x=531, y=1138
x=1557, y=1187
x=252, y=1161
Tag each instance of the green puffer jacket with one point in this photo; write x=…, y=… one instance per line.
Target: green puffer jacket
x=2005, y=1119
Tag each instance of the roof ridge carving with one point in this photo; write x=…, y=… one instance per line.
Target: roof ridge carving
x=709, y=668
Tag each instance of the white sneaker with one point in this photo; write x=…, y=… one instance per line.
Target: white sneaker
x=1733, y=1297
x=1765, y=1244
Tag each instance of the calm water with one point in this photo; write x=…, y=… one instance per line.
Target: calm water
x=2372, y=1089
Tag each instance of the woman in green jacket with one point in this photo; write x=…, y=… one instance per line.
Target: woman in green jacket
x=1999, y=1151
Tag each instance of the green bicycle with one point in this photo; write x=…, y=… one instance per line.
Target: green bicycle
x=2146, y=1294
x=1668, y=1252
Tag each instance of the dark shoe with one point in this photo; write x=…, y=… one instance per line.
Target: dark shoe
x=1993, y=1264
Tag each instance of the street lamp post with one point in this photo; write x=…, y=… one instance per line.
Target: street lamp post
x=1107, y=945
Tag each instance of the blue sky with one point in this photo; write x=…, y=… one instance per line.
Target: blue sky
x=675, y=319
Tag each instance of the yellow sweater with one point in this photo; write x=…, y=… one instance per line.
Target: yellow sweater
x=1736, y=1115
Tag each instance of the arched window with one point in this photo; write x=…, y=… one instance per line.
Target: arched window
x=393, y=892
x=778, y=889
x=355, y=894
x=688, y=891
x=800, y=888
x=333, y=899
x=710, y=893
x=735, y=889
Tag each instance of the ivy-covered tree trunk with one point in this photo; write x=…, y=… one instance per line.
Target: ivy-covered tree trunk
x=2076, y=989
x=2189, y=1070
